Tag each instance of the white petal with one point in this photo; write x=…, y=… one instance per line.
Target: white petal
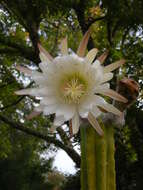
x=50, y=109
x=107, y=77
x=44, y=66
x=95, y=111
x=99, y=101
x=38, y=78
x=83, y=112
x=64, y=46
x=96, y=64
x=110, y=108
x=114, y=95
x=48, y=100
x=75, y=123
x=102, y=88
x=35, y=91
x=59, y=120
x=28, y=91
x=91, y=55
x=66, y=110
x=44, y=55
x=87, y=103
x=113, y=66
x=92, y=120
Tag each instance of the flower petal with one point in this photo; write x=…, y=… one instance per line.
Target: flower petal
x=86, y=104
x=83, y=112
x=95, y=111
x=96, y=64
x=50, y=109
x=44, y=66
x=75, y=123
x=59, y=120
x=24, y=91
x=110, y=108
x=44, y=55
x=114, y=95
x=92, y=120
x=107, y=77
x=91, y=55
x=35, y=91
x=64, y=46
x=67, y=111
x=24, y=70
x=101, y=88
x=83, y=44
x=101, y=103
x=48, y=100
x=113, y=66
x=102, y=57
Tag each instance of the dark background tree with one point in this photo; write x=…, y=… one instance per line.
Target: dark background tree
x=116, y=26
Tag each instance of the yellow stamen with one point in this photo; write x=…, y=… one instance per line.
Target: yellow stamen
x=73, y=89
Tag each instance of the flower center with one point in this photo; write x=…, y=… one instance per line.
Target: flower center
x=74, y=88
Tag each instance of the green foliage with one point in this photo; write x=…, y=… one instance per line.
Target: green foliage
x=72, y=182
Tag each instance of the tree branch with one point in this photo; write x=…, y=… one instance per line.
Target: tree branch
x=93, y=20
x=64, y=137
x=18, y=48
x=71, y=152
x=79, y=9
x=13, y=103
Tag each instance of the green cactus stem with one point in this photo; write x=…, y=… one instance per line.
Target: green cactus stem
x=110, y=152
x=97, y=159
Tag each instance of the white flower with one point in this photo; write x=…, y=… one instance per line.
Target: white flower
x=69, y=85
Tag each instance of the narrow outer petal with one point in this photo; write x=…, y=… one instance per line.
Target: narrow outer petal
x=75, y=123
x=114, y=95
x=64, y=46
x=44, y=55
x=35, y=92
x=110, y=108
x=92, y=120
x=83, y=44
x=95, y=111
x=113, y=66
x=101, y=103
x=107, y=77
x=102, y=57
x=91, y=55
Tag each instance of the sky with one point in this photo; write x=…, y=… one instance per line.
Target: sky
x=64, y=163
